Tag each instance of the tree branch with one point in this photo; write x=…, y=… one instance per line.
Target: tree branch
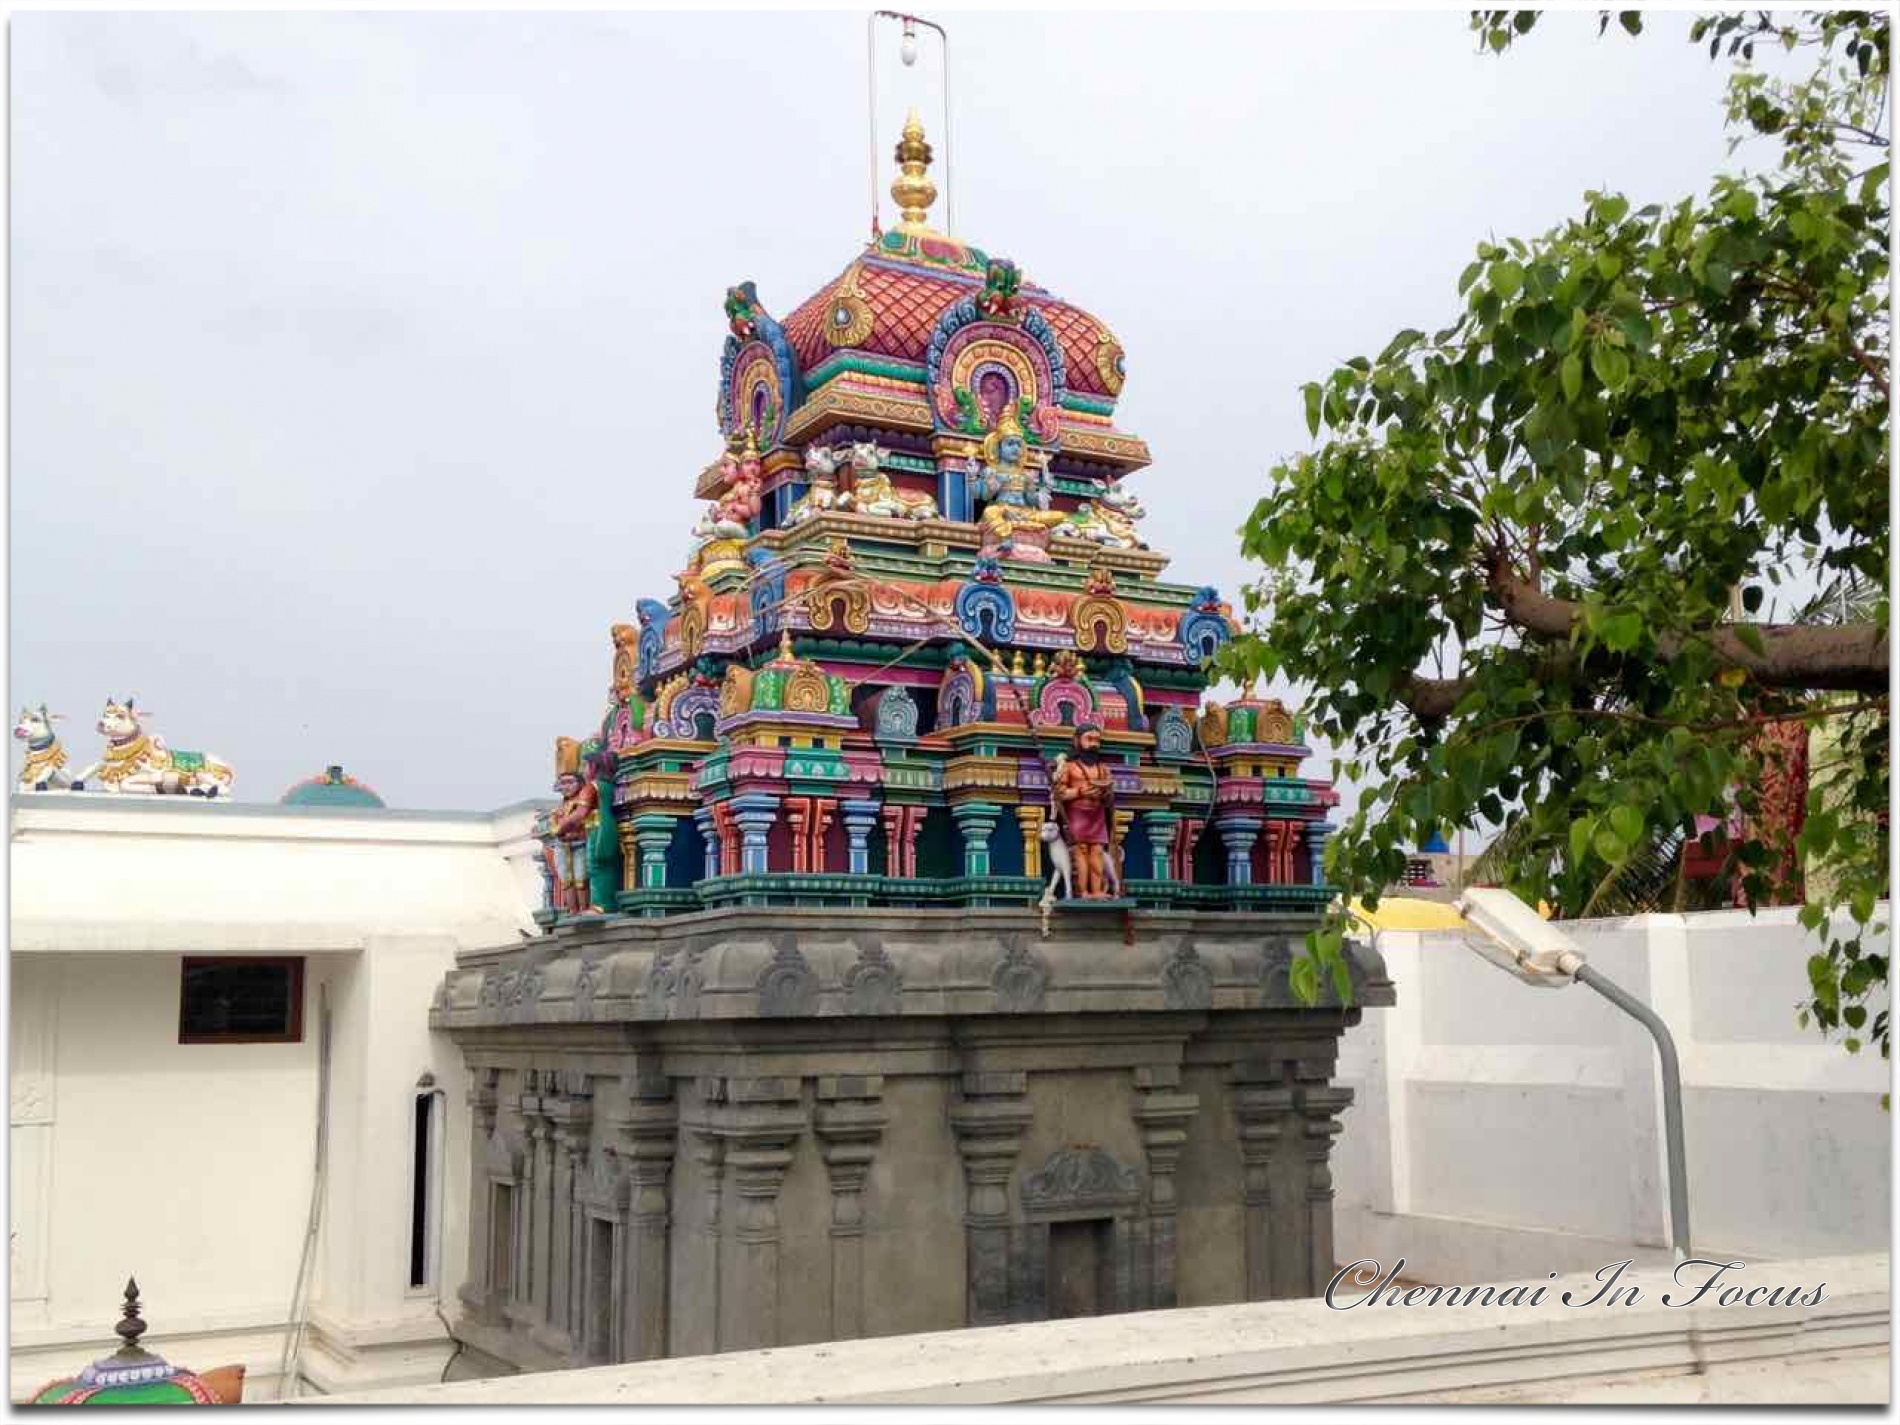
x=1431, y=699
x=1847, y=658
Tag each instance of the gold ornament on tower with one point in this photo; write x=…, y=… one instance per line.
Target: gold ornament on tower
x=912, y=188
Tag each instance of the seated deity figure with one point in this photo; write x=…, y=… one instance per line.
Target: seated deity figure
x=1014, y=488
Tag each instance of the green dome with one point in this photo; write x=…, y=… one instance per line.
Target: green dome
x=331, y=788
x=132, y=1375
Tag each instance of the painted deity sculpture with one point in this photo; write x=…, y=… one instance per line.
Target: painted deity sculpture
x=1015, y=488
x=873, y=493
x=138, y=761
x=45, y=767
x=567, y=828
x=603, y=835
x=720, y=535
x=1085, y=800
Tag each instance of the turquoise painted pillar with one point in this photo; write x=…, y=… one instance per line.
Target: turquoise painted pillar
x=1238, y=834
x=976, y=820
x=755, y=812
x=653, y=833
x=1160, y=826
x=859, y=817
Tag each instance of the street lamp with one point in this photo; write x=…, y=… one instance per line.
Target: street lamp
x=1512, y=936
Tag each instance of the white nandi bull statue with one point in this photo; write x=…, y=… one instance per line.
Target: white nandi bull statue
x=45, y=768
x=1110, y=520
x=872, y=492
x=821, y=494
x=138, y=761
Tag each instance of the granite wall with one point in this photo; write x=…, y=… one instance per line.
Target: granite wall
x=754, y=1127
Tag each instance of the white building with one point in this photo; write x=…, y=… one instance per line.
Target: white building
x=1503, y=1131
x=1499, y=1133
x=173, y=1136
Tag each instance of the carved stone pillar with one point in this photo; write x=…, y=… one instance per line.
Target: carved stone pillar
x=1261, y=1112
x=484, y=1103
x=849, y=1121
x=569, y=1116
x=989, y=1120
x=537, y=1202
x=1319, y=1105
x=700, y=1335
x=649, y=1135
x=1163, y=1113
x=761, y=1122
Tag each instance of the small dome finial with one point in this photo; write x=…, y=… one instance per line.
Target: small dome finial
x=133, y=1325
x=912, y=188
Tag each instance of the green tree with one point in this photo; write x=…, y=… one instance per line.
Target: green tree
x=1524, y=572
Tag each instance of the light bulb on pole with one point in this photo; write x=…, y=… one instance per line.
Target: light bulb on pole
x=908, y=47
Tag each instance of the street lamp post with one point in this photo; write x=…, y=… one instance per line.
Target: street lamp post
x=1512, y=936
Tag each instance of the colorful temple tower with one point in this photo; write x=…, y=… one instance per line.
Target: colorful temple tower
x=919, y=572
x=809, y=1051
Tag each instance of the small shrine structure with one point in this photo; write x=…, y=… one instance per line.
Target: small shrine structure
x=133, y=1375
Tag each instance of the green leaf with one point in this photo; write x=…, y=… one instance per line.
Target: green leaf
x=1507, y=277
x=1628, y=822
x=1631, y=21
x=1612, y=367
x=1573, y=376
x=1581, y=831
x=1621, y=632
x=1313, y=397
x=1609, y=845
x=1749, y=637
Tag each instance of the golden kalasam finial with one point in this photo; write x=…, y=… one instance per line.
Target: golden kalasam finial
x=912, y=188
x=785, y=654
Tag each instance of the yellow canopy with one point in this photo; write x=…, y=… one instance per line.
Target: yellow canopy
x=1412, y=913
x=1409, y=913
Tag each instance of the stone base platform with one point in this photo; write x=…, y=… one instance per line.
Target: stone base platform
x=768, y=1126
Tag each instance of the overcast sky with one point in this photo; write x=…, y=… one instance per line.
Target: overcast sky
x=362, y=363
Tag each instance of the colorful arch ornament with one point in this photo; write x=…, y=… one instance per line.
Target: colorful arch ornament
x=1099, y=621
x=974, y=365
x=654, y=617
x=964, y=695
x=894, y=718
x=1064, y=697
x=758, y=372
x=1174, y=737
x=1205, y=626
x=986, y=611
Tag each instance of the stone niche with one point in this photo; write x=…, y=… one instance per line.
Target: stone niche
x=754, y=1127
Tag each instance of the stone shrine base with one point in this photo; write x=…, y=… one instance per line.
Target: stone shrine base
x=762, y=1127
